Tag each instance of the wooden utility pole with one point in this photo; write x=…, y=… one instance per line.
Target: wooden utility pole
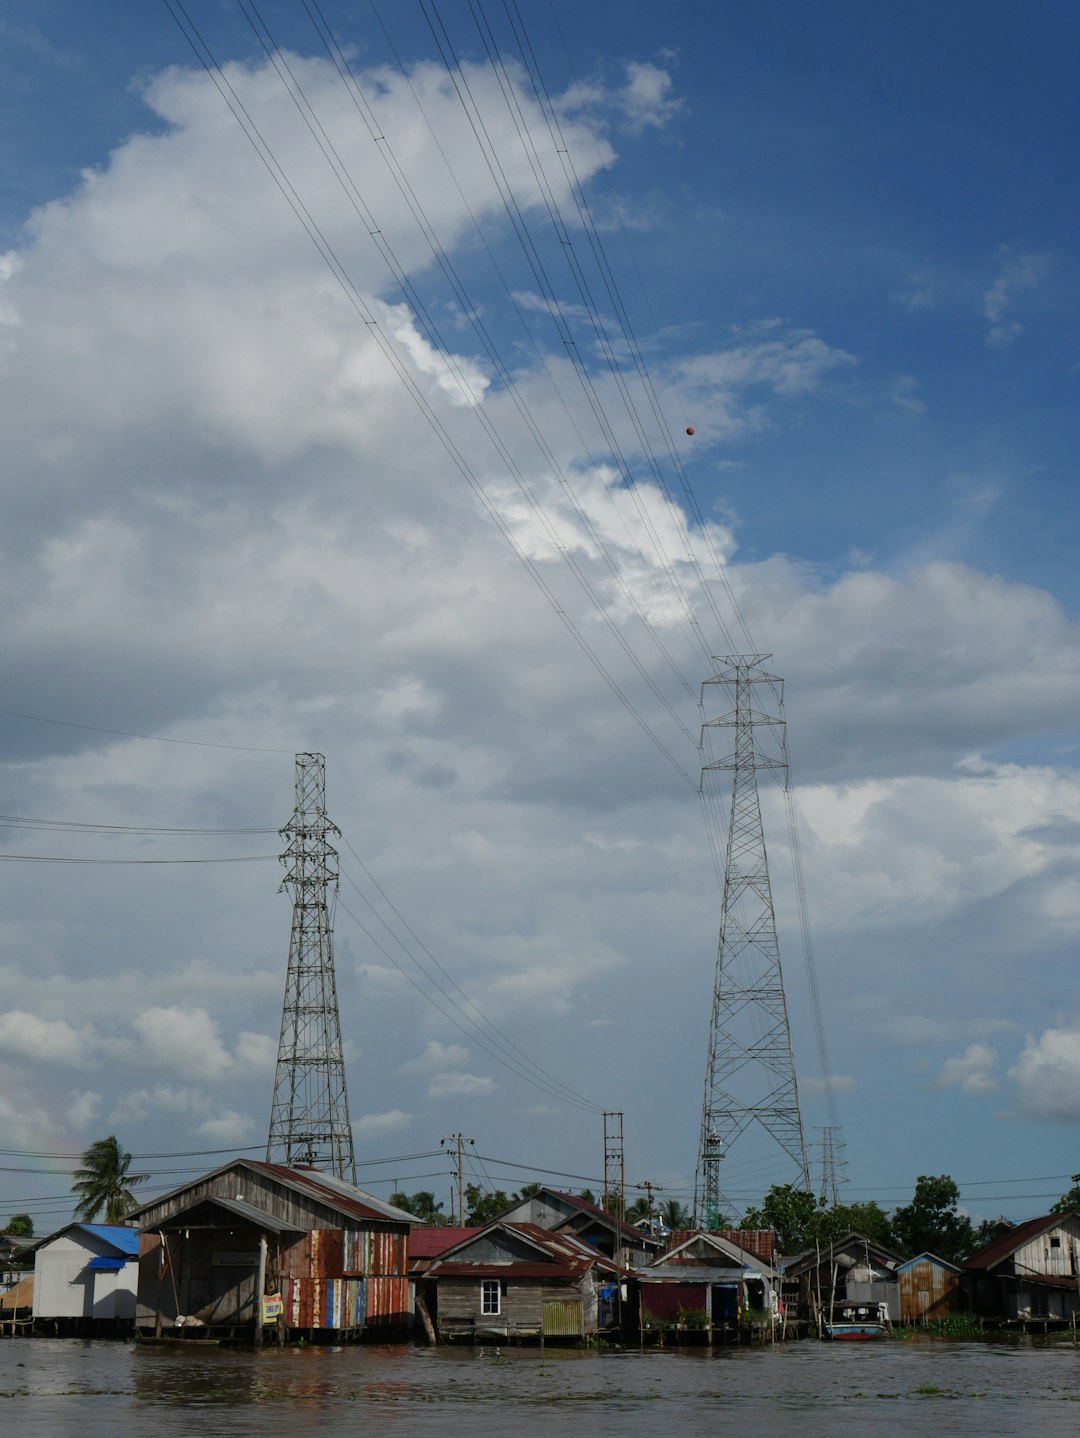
x=456, y=1150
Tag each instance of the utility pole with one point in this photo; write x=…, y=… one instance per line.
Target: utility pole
x=456, y=1150
x=750, y=1071
x=650, y=1189
x=614, y=1164
x=309, y=1115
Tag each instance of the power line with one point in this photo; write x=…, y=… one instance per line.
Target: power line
x=15, y=821
x=57, y=859
x=157, y=738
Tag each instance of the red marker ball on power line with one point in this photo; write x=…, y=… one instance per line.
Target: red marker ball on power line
x=689, y=429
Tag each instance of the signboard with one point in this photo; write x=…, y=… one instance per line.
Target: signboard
x=273, y=1307
x=235, y=1260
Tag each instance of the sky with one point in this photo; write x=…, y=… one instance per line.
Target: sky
x=345, y=406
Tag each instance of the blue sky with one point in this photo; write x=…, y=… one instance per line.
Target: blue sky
x=844, y=237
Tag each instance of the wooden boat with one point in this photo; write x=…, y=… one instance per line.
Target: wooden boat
x=856, y=1322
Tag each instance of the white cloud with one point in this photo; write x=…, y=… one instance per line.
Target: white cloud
x=227, y=1128
x=83, y=1108
x=437, y=1058
x=647, y=99
x=51, y=1041
x=374, y=1125
x=1047, y=1075
x=972, y=1071
x=1017, y=273
x=459, y=1085
x=185, y=1041
x=838, y=1084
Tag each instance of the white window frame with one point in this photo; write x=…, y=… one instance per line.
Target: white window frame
x=490, y=1290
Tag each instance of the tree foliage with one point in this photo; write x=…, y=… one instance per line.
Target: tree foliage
x=421, y=1205
x=482, y=1206
x=675, y=1216
x=1068, y=1202
x=20, y=1225
x=103, y=1182
x=930, y=1223
x=788, y=1211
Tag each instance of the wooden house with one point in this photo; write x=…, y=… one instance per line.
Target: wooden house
x=706, y=1283
x=852, y=1269
x=84, y=1279
x=1029, y=1272
x=622, y=1242
x=929, y=1289
x=254, y=1246
x=517, y=1280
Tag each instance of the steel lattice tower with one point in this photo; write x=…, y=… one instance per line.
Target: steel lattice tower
x=309, y=1118
x=750, y=1074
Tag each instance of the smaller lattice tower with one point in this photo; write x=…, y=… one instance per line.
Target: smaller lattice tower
x=833, y=1165
x=750, y=1072
x=309, y=1117
x=614, y=1199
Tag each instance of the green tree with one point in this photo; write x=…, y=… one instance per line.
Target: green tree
x=421, y=1205
x=528, y=1189
x=989, y=1231
x=930, y=1223
x=867, y=1219
x=637, y=1209
x=104, y=1182
x=789, y=1211
x=675, y=1216
x=20, y=1225
x=1069, y=1202
x=483, y=1207
x=588, y=1195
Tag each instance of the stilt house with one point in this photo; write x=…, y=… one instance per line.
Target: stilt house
x=1029, y=1272
x=254, y=1247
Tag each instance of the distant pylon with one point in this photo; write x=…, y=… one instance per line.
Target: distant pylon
x=833, y=1164
x=614, y=1164
x=750, y=1072
x=309, y=1117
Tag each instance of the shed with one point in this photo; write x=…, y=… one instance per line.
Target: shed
x=929, y=1288
x=517, y=1280
x=254, y=1244
x=85, y=1277
x=853, y=1269
x=1030, y=1272
x=706, y=1283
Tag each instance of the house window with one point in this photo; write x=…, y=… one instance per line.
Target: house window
x=489, y=1295
x=1055, y=1243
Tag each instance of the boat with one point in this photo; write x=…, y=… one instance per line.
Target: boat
x=856, y=1322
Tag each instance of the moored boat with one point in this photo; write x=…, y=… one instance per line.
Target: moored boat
x=856, y=1322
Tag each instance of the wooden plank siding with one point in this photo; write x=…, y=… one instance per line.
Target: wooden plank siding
x=928, y=1290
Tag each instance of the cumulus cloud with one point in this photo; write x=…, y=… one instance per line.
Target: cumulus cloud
x=459, y=1085
x=52, y=1041
x=437, y=1057
x=185, y=1041
x=972, y=1071
x=1047, y=1075
x=374, y=1125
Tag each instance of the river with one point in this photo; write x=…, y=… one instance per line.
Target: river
x=54, y=1388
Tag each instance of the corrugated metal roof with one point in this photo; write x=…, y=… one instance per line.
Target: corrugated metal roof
x=520, y=1269
x=931, y=1258
x=627, y=1230
x=431, y=1242
x=245, y=1212
x=333, y=1190
x=119, y=1235
x=1016, y=1237
x=567, y=1256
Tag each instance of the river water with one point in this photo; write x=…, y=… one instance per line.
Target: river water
x=53, y=1388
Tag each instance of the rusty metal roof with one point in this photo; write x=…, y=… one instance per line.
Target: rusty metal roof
x=433, y=1242
x=1001, y=1248
x=566, y=1256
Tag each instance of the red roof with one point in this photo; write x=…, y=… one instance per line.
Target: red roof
x=569, y=1257
x=1008, y=1243
x=609, y=1219
x=431, y=1242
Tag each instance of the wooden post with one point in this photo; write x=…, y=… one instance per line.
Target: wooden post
x=260, y=1287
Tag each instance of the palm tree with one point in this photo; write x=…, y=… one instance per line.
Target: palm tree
x=675, y=1216
x=104, y=1182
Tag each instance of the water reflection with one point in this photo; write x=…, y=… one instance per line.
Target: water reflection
x=53, y=1387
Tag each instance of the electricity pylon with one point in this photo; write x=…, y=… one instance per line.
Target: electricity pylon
x=309, y=1117
x=750, y=1073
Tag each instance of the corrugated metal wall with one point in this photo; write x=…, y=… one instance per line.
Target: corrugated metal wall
x=927, y=1290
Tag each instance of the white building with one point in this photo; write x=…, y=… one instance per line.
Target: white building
x=85, y=1276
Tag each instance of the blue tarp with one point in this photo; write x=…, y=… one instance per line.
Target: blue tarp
x=107, y=1263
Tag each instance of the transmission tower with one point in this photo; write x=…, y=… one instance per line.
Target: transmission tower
x=309, y=1118
x=750, y=1073
x=833, y=1164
